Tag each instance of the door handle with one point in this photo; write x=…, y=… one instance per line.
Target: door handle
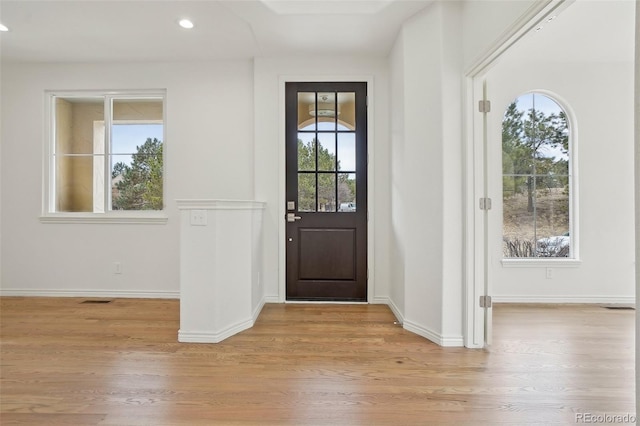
x=291, y=217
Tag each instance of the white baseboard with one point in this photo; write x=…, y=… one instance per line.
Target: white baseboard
x=565, y=299
x=391, y=304
x=379, y=300
x=446, y=341
x=256, y=311
x=185, y=336
x=111, y=294
x=193, y=336
x=450, y=341
x=272, y=299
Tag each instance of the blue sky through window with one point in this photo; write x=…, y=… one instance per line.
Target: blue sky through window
x=125, y=138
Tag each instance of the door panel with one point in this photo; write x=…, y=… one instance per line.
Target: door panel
x=327, y=254
x=326, y=178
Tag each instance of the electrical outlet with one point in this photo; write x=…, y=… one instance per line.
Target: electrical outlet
x=549, y=273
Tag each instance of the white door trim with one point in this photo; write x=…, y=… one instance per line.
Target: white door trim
x=476, y=283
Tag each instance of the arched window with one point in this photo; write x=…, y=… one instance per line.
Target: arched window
x=536, y=179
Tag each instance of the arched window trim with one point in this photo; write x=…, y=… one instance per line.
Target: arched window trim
x=574, y=259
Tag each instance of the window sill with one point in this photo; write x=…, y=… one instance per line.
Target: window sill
x=541, y=263
x=132, y=218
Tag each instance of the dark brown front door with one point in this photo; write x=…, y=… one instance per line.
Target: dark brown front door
x=326, y=180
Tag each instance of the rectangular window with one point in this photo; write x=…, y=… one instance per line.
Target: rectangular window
x=105, y=153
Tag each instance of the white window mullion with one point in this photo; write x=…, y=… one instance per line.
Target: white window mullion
x=52, y=158
x=98, y=166
x=108, y=112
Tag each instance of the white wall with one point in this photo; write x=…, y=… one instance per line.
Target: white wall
x=270, y=75
x=452, y=206
x=426, y=174
x=209, y=154
x=421, y=220
x=600, y=99
x=397, y=239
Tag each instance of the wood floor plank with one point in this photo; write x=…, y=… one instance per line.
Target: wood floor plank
x=119, y=363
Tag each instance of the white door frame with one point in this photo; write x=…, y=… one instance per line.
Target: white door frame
x=477, y=321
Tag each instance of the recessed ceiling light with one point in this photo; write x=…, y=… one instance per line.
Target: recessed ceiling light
x=3, y=28
x=185, y=23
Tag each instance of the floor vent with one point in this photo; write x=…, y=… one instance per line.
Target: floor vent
x=621, y=308
x=97, y=301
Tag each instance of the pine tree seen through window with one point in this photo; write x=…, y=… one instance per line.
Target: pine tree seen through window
x=136, y=178
x=536, y=179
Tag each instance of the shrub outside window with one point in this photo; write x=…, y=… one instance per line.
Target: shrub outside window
x=536, y=179
x=105, y=152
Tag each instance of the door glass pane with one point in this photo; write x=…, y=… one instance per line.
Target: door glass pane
x=326, y=192
x=347, y=152
x=306, y=192
x=326, y=125
x=325, y=111
x=306, y=152
x=347, y=109
x=306, y=105
x=327, y=151
x=347, y=192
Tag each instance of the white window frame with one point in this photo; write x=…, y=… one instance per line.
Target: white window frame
x=100, y=213
x=574, y=259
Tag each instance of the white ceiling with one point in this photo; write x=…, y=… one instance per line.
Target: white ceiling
x=147, y=30
x=131, y=30
x=586, y=31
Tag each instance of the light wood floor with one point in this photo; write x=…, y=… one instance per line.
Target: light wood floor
x=63, y=362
